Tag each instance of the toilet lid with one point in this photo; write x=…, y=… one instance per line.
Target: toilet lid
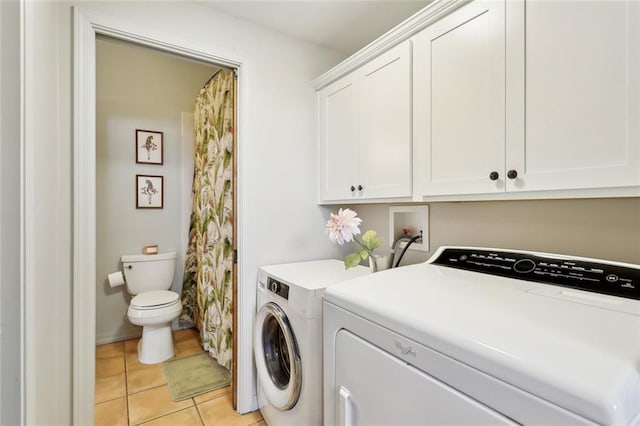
x=154, y=299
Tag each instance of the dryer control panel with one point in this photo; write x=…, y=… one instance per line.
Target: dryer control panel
x=277, y=287
x=599, y=277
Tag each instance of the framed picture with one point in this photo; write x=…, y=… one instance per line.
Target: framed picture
x=149, y=147
x=149, y=192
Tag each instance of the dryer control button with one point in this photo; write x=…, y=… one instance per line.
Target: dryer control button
x=612, y=278
x=524, y=266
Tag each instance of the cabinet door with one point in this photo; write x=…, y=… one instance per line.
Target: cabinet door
x=384, y=152
x=574, y=94
x=460, y=101
x=338, y=139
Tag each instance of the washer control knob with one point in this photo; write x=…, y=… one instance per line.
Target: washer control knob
x=524, y=266
x=274, y=286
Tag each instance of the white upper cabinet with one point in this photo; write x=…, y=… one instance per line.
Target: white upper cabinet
x=523, y=96
x=365, y=131
x=385, y=125
x=573, y=94
x=339, y=139
x=488, y=99
x=460, y=101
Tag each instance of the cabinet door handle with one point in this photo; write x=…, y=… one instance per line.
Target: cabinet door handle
x=359, y=187
x=512, y=174
x=494, y=175
x=353, y=188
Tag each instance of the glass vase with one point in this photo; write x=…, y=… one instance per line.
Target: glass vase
x=378, y=262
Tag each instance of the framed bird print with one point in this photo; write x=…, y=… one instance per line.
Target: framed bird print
x=149, y=192
x=149, y=147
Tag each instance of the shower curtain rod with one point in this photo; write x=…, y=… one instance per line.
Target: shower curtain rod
x=235, y=73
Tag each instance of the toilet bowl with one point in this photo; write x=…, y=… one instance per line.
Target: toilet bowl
x=154, y=311
x=153, y=306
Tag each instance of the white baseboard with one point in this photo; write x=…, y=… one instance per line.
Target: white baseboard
x=105, y=338
x=102, y=339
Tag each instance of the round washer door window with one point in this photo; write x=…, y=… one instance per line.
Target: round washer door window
x=277, y=357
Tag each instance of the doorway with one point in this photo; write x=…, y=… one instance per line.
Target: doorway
x=85, y=195
x=140, y=92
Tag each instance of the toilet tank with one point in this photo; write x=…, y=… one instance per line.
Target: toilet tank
x=147, y=272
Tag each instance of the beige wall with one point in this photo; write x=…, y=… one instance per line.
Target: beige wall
x=600, y=228
x=137, y=88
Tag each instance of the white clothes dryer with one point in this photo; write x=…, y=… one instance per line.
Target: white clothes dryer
x=288, y=338
x=485, y=336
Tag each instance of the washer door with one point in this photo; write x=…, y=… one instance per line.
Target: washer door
x=277, y=357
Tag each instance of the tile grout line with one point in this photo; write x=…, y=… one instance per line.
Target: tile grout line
x=198, y=411
x=126, y=381
x=159, y=417
x=110, y=399
x=147, y=389
x=164, y=415
x=150, y=419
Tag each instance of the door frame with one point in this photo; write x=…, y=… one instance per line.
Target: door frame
x=86, y=26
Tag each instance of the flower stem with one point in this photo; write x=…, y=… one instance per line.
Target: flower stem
x=363, y=246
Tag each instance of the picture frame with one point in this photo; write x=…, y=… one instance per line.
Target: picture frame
x=149, y=149
x=149, y=192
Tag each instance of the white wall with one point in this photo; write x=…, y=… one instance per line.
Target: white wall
x=280, y=219
x=47, y=214
x=137, y=88
x=600, y=228
x=10, y=170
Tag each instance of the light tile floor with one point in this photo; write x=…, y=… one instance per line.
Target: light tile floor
x=130, y=393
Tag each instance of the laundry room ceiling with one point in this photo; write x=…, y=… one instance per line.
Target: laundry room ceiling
x=344, y=25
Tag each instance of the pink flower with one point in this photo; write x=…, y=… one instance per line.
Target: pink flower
x=343, y=226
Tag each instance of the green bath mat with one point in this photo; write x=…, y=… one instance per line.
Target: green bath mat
x=194, y=374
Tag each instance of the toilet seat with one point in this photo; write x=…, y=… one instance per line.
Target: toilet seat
x=156, y=299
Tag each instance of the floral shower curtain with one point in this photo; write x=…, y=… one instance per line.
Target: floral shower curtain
x=207, y=283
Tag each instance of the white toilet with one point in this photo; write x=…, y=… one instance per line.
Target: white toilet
x=153, y=306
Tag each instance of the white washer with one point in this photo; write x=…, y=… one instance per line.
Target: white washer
x=485, y=336
x=288, y=338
